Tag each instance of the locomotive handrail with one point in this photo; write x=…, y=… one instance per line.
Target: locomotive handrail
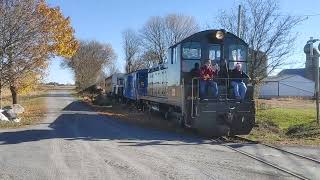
x=192, y=98
x=227, y=79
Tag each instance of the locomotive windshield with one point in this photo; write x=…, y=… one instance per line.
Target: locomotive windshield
x=214, y=52
x=191, y=50
x=238, y=54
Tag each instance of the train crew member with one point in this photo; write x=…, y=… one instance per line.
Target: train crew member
x=195, y=72
x=239, y=87
x=207, y=75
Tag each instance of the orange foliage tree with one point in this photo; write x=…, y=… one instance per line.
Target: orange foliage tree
x=32, y=33
x=59, y=32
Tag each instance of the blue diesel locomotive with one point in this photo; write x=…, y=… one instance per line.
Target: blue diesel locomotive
x=172, y=89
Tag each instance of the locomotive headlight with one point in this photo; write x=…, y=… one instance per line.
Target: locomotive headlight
x=219, y=35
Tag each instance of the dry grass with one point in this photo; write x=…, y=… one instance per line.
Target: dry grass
x=292, y=103
x=35, y=109
x=52, y=87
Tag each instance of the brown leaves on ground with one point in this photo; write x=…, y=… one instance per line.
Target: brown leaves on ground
x=130, y=114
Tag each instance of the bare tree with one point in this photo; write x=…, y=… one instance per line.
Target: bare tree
x=269, y=35
x=179, y=27
x=153, y=34
x=89, y=62
x=110, y=70
x=149, y=58
x=132, y=50
x=159, y=33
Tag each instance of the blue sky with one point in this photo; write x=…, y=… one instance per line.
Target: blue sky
x=105, y=20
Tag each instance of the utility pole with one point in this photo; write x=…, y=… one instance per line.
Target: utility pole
x=239, y=21
x=317, y=84
x=316, y=79
x=1, y=62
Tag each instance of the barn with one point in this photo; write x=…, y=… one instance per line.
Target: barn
x=287, y=86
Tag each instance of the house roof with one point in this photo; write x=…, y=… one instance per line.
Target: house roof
x=278, y=77
x=298, y=71
x=284, y=77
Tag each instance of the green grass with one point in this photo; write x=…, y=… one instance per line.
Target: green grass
x=286, y=125
x=285, y=118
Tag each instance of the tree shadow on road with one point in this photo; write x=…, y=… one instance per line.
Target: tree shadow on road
x=79, y=122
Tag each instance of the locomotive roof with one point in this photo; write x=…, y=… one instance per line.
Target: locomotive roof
x=200, y=35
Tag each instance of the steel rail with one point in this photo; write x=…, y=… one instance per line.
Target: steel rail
x=283, y=150
x=263, y=161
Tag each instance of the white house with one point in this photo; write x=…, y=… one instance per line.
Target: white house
x=287, y=85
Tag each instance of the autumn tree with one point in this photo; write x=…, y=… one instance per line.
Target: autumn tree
x=159, y=33
x=30, y=82
x=268, y=32
x=31, y=33
x=89, y=62
x=58, y=31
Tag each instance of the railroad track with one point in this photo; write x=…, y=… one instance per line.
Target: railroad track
x=277, y=148
x=229, y=142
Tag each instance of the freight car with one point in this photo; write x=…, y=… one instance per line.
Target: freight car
x=135, y=85
x=114, y=85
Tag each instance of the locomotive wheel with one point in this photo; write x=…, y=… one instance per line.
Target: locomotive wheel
x=180, y=122
x=150, y=109
x=139, y=106
x=166, y=115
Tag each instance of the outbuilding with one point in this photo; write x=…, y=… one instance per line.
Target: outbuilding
x=287, y=86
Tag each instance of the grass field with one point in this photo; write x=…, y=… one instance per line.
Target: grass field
x=286, y=121
x=35, y=108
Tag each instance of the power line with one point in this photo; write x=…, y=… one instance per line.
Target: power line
x=296, y=15
x=301, y=15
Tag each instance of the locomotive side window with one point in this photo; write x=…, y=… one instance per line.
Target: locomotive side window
x=175, y=56
x=191, y=50
x=214, y=52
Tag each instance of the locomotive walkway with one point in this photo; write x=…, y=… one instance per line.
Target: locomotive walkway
x=76, y=143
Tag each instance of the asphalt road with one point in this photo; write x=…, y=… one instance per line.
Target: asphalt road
x=75, y=143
